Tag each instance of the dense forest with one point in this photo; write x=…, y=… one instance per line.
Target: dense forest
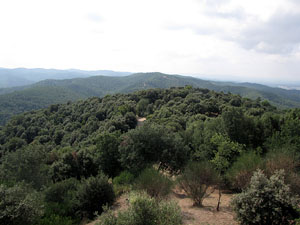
x=44, y=93
x=57, y=163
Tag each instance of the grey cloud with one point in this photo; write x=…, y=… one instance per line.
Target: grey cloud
x=279, y=35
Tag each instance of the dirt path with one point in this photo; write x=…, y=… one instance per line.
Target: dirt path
x=208, y=215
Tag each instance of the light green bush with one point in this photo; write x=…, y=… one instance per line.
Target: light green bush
x=144, y=210
x=154, y=183
x=266, y=201
x=196, y=179
x=56, y=220
x=239, y=175
x=19, y=205
x=122, y=183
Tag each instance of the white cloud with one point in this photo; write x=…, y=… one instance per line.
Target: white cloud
x=245, y=39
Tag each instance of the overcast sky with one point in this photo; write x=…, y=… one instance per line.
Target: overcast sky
x=243, y=40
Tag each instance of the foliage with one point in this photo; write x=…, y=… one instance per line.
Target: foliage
x=288, y=160
x=19, y=205
x=75, y=164
x=49, y=92
x=144, y=210
x=151, y=144
x=241, y=171
x=122, y=183
x=108, y=154
x=26, y=165
x=78, y=140
x=54, y=219
x=61, y=199
x=196, y=179
x=266, y=201
x=154, y=183
x=93, y=193
x=225, y=153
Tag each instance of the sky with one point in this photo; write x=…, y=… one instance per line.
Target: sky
x=237, y=40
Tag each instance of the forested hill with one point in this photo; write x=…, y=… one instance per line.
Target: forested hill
x=23, y=76
x=77, y=124
x=55, y=162
x=49, y=92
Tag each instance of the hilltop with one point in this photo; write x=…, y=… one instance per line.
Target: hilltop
x=44, y=93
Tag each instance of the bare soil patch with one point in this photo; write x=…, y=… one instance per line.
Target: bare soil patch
x=192, y=215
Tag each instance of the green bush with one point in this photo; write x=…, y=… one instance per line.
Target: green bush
x=196, y=179
x=154, y=183
x=19, y=205
x=144, y=210
x=61, y=199
x=125, y=177
x=56, y=220
x=266, y=201
x=93, y=194
x=122, y=183
x=289, y=161
x=239, y=175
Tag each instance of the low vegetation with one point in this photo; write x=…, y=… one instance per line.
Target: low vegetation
x=266, y=201
x=154, y=183
x=197, y=179
x=144, y=210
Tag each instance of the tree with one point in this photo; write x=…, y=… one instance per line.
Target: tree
x=28, y=165
x=93, y=194
x=150, y=144
x=225, y=153
x=20, y=205
x=196, y=179
x=107, y=153
x=266, y=201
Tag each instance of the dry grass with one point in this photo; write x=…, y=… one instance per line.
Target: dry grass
x=207, y=215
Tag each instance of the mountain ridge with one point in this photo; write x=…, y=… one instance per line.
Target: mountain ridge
x=47, y=92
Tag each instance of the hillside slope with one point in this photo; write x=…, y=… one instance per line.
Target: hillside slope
x=23, y=76
x=47, y=92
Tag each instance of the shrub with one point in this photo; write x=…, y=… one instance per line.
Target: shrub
x=94, y=193
x=196, y=179
x=60, y=198
x=56, y=220
x=287, y=160
x=19, y=205
x=122, y=183
x=144, y=210
x=26, y=165
x=239, y=175
x=108, y=154
x=125, y=177
x=154, y=183
x=151, y=144
x=266, y=201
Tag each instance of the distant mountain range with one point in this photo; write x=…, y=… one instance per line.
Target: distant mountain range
x=22, y=76
x=47, y=92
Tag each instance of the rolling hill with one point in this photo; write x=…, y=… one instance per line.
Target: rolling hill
x=23, y=76
x=47, y=92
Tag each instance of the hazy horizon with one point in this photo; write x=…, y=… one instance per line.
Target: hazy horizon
x=88, y=73
x=254, y=41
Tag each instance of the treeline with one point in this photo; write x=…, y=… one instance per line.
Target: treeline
x=62, y=157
